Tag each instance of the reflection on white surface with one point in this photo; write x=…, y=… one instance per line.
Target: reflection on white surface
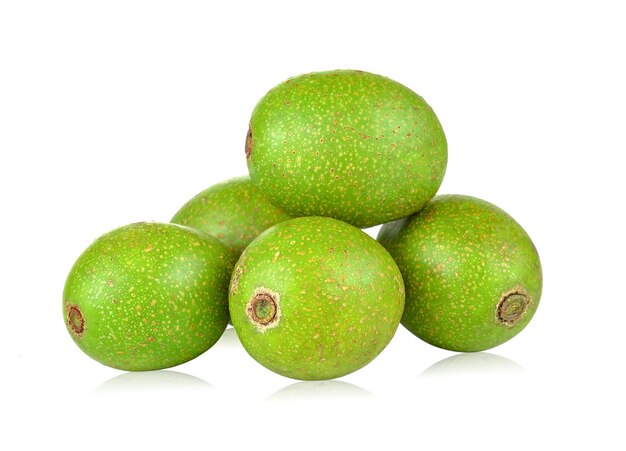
x=320, y=391
x=152, y=381
x=228, y=340
x=472, y=364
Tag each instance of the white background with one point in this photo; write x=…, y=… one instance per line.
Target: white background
x=119, y=111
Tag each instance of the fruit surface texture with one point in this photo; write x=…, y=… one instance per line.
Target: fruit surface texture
x=233, y=211
x=346, y=144
x=148, y=296
x=315, y=298
x=473, y=276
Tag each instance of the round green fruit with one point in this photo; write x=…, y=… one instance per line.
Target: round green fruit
x=346, y=144
x=232, y=211
x=472, y=274
x=148, y=296
x=315, y=298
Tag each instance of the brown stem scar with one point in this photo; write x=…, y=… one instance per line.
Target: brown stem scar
x=511, y=307
x=75, y=320
x=249, y=143
x=263, y=309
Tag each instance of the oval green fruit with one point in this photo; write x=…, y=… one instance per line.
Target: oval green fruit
x=148, y=296
x=473, y=276
x=346, y=144
x=315, y=298
x=233, y=211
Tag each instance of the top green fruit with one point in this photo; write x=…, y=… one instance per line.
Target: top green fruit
x=232, y=211
x=346, y=144
x=472, y=274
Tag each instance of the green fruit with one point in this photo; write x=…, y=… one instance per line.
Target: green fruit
x=148, y=296
x=346, y=144
x=315, y=298
x=232, y=211
x=472, y=274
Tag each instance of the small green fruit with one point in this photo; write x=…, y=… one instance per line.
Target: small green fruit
x=472, y=274
x=315, y=298
x=148, y=296
x=232, y=211
x=346, y=144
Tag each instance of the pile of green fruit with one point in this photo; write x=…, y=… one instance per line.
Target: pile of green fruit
x=280, y=253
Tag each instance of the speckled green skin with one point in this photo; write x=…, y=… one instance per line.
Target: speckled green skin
x=459, y=256
x=232, y=211
x=151, y=296
x=346, y=144
x=340, y=298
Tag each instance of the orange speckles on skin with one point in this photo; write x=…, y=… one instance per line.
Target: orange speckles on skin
x=129, y=319
x=344, y=129
x=234, y=211
x=459, y=256
x=334, y=319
